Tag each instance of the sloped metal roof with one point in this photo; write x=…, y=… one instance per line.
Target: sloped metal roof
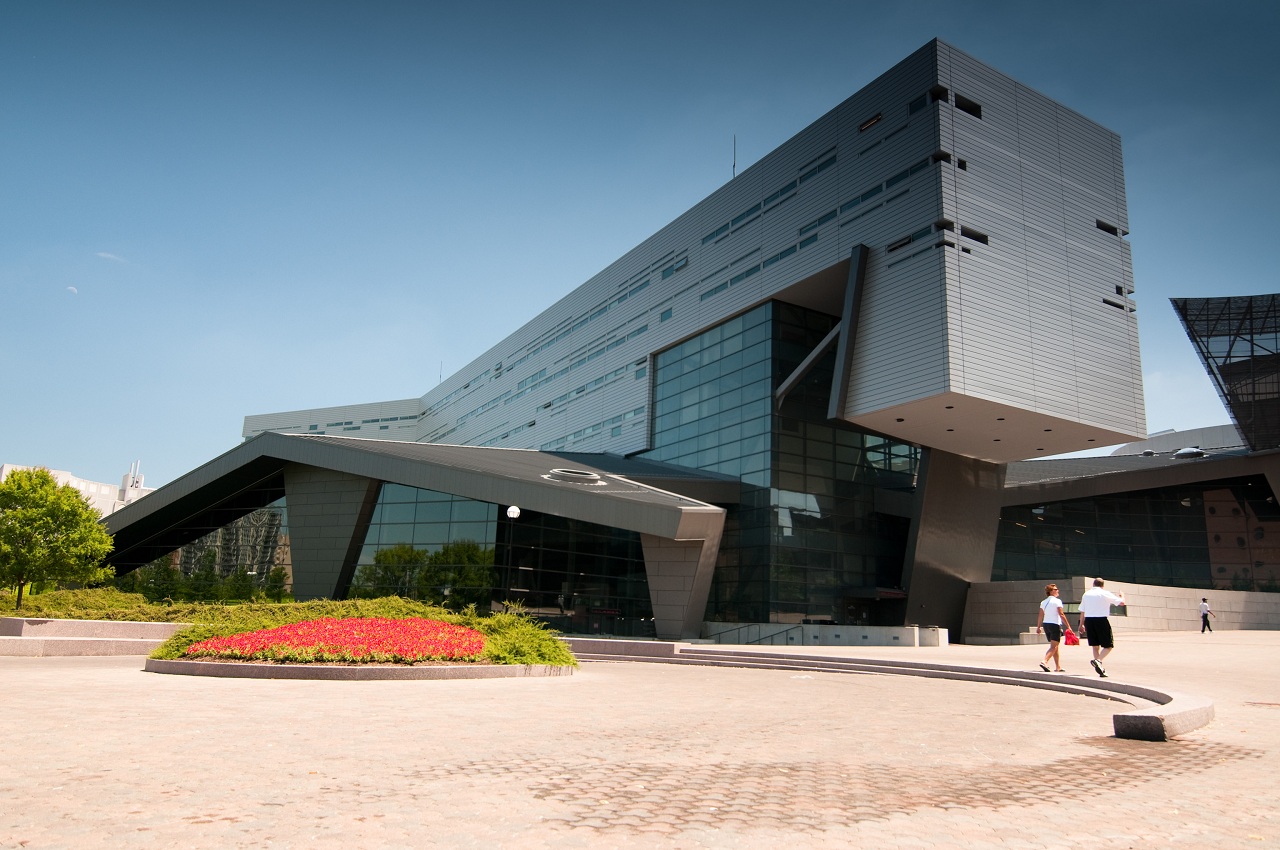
x=1065, y=469
x=605, y=489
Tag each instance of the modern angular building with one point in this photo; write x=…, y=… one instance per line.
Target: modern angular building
x=1193, y=509
x=796, y=402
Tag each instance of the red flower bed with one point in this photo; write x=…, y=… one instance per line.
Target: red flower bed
x=351, y=640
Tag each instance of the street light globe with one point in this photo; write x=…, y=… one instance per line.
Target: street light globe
x=513, y=512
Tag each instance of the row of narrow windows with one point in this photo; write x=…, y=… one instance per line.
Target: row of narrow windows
x=752, y=270
x=587, y=318
x=540, y=378
x=925, y=232
x=808, y=172
x=561, y=442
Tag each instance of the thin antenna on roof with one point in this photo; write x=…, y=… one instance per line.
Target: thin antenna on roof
x=441, y=378
x=735, y=156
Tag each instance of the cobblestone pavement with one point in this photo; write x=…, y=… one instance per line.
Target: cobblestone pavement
x=101, y=754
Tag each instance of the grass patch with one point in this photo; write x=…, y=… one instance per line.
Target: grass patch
x=510, y=637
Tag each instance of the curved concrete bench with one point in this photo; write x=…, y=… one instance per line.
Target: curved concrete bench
x=1156, y=715
x=1176, y=715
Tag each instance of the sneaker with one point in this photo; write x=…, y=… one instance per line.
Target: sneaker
x=1098, y=667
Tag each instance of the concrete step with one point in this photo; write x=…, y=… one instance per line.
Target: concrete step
x=41, y=627
x=37, y=637
x=37, y=647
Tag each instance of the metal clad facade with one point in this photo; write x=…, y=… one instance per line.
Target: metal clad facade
x=986, y=278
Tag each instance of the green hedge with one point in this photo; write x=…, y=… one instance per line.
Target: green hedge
x=510, y=637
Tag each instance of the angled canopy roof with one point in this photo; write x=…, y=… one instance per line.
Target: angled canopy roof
x=605, y=489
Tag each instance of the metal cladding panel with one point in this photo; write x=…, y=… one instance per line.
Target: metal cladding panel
x=400, y=419
x=327, y=510
x=1037, y=326
x=988, y=316
x=581, y=355
x=957, y=514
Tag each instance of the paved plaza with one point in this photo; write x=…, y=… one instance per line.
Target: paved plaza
x=100, y=754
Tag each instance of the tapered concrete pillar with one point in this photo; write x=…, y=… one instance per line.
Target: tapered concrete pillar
x=679, y=573
x=953, y=536
x=329, y=512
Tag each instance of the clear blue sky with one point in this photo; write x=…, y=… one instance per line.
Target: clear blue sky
x=213, y=209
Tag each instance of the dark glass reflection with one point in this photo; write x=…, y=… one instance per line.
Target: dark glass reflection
x=806, y=542
x=1238, y=338
x=448, y=550
x=1223, y=534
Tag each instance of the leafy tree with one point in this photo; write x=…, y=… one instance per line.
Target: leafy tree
x=130, y=582
x=160, y=579
x=463, y=568
x=157, y=580
x=277, y=582
x=48, y=533
x=238, y=585
x=202, y=585
x=391, y=572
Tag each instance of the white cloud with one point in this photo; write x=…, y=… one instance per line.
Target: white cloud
x=104, y=255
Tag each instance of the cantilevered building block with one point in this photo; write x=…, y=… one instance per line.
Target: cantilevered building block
x=996, y=322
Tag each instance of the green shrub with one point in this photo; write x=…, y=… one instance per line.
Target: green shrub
x=511, y=637
x=103, y=603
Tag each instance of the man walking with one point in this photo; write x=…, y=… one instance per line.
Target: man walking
x=1205, y=614
x=1095, y=608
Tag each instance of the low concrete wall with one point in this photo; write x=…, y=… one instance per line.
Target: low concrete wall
x=621, y=646
x=39, y=647
x=36, y=637
x=37, y=627
x=353, y=672
x=1007, y=609
x=782, y=634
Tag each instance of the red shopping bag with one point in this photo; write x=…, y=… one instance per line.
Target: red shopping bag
x=1070, y=638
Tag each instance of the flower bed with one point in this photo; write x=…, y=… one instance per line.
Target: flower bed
x=349, y=640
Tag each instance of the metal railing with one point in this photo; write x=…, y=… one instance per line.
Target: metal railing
x=773, y=639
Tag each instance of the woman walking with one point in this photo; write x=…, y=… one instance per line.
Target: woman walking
x=1050, y=619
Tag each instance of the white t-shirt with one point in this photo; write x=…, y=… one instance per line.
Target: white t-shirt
x=1204, y=608
x=1097, y=602
x=1052, y=607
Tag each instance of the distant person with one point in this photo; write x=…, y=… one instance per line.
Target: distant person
x=1050, y=619
x=1095, y=609
x=1205, y=614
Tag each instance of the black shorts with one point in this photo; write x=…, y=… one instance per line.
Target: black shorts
x=1099, y=629
x=1053, y=631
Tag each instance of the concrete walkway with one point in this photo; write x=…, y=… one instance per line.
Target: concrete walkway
x=643, y=755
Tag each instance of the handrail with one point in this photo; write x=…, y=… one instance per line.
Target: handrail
x=758, y=641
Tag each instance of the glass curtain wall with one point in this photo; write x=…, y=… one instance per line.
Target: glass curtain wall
x=254, y=543
x=580, y=577
x=453, y=551
x=243, y=552
x=1223, y=535
x=805, y=543
x=430, y=546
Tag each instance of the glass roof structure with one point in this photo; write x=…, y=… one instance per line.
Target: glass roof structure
x=1238, y=338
